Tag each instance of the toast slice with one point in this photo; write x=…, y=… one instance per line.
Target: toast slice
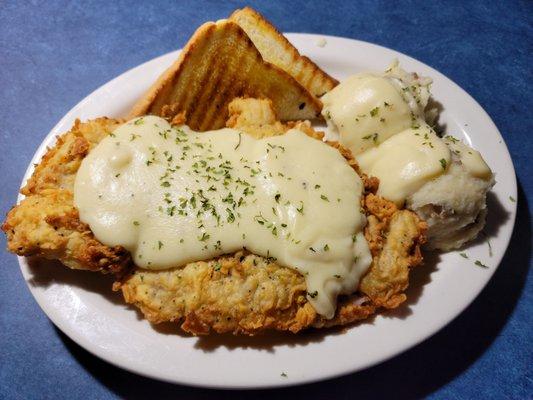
x=218, y=64
x=276, y=49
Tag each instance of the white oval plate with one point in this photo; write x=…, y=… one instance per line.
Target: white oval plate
x=82, y=306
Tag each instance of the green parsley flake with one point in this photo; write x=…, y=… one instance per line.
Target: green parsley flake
x=204, y=237
x=373, y=136
x=451, y=139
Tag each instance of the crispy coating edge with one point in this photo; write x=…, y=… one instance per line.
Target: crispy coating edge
x=247, y=294
x=46, y=223
x=240, y=293
x=394, y=237
x=57, y=169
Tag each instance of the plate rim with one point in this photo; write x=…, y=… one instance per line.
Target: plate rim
x=85, y=343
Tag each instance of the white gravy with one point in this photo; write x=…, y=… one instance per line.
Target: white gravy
x=173, y=196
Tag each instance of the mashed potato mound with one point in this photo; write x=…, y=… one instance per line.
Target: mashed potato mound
x=453, y=205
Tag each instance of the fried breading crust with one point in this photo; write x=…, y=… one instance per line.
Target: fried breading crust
x=57, y=169
x=239, y=293
x=244, y=293
x=46, y=223
x=254, y=116
x=394, y=237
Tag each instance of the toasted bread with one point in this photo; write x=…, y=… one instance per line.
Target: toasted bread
x=218, y=64
x=276, y=49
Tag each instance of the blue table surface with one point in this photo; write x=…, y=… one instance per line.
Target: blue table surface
x=52, y=54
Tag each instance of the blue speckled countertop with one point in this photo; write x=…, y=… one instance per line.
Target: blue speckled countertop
x=52, y=54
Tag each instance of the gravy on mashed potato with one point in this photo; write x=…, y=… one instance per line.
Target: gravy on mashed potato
x=367, y=108
x=383, y=119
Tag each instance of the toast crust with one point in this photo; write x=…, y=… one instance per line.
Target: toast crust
x=218, y=64
x=276, y=49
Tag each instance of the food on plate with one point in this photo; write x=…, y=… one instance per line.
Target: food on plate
x=368, y=108
x=171, y=196
x=218, y=293
x=218, y=64
x=455, y=203
x=244, y=293
x=256, y=117
x=384, y=120
x=405, y=161
x=216, y=204
x=46, y=223
x=276, y=49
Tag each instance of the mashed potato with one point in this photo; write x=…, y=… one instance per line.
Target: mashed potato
x=367, y=108
x=385, y=120
x=453, y=205
x=443, y=180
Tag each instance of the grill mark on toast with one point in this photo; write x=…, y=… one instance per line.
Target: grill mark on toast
x=209, y=75
x=204, y=111
x=232, y=86
x=190, y=100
